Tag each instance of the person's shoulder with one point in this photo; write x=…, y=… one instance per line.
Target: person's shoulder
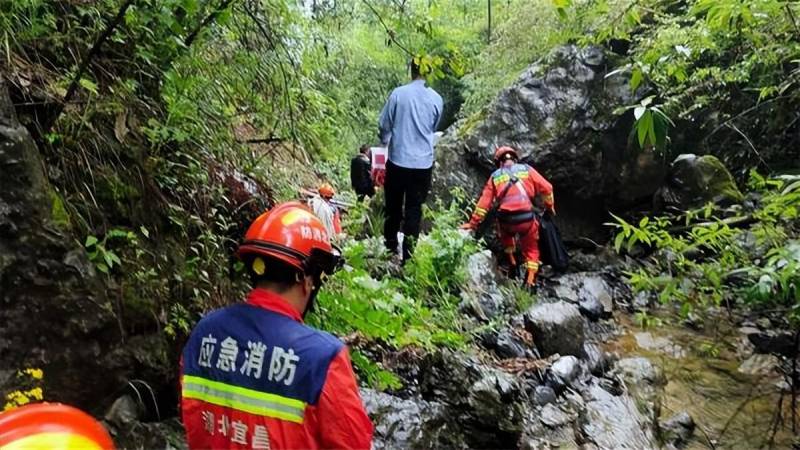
x=432, y=92
x=399, y=90
x=322, y=341
x=216, y=318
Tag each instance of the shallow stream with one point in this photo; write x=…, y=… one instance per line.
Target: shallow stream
x=732, y=409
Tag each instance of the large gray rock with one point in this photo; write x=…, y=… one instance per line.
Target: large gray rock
x=648, y=341
x=644, y=382
x=509, y=345
x=165, y=435
x=123, y=412
x=615, y=422
x=639, y=371
x=485, y=403
x=53, y=312
x=494, y=401
x=694, y=181
x=566, y=369
x=481, y=295
x=556, y=328
x=403, y=423
x=593, y=294
x=559, y=114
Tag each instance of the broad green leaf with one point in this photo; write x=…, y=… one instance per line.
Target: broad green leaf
x=90, y=241
x=643, y=127
x=89, y=85
x=618, y=242
x=636, y=79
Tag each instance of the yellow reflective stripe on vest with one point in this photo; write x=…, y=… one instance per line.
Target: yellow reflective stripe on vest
x=500, y=179
x=243, y=399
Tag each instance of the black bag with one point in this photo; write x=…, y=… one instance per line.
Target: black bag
x=553, y=251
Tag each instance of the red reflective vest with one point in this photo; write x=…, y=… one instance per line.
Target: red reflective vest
x=253, y=376
x=518, y=198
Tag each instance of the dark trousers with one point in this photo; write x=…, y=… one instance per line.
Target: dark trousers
x=406, y=191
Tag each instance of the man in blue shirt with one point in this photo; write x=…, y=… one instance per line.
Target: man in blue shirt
x=407, y=124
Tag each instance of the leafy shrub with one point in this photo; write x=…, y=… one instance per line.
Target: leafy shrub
x=711, y=261
x=369, y=299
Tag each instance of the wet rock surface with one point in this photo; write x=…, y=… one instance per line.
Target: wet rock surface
x=556, y=328
x=481, y=296
x=589, y=290
x=403, y=423
x=614, y=421
x=677, y=430
x=557, y=388
x=661, y=344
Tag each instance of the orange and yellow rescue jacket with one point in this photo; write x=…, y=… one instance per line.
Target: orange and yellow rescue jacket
x=518, y=198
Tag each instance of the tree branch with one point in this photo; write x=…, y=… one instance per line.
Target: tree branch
x=285, y=76
x=389, y=31
x=205, y=22
x=269, y=140
x=73, y=86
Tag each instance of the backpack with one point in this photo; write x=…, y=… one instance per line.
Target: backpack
x=514, y=204
x=552, y=249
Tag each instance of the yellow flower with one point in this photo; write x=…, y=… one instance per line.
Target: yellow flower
x=35, y=373
x=36, y=393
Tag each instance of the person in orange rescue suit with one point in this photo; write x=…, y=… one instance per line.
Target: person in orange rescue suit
x=325, y=210
x=253, y=375
x=51, y=426
x=514, y=188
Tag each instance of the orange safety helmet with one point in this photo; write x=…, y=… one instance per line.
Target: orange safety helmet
x=292, y=234
x=326, y=191
x=503, y=153
x=51, y=426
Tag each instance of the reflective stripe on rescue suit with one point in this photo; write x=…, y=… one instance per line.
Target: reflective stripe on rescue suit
x=255, y=377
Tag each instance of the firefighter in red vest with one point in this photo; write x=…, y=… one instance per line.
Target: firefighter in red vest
x=514, y=189
x=253, y=375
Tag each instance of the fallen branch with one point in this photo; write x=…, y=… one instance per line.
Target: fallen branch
x=269, y=140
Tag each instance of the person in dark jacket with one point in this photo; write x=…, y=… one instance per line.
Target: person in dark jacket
x=360, y=177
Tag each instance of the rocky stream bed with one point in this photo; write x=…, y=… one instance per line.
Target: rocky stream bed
x=572, y=371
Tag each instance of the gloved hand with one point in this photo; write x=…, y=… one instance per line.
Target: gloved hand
x=467, y=226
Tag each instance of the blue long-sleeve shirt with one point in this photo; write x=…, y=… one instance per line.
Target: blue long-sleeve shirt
x=408, y=122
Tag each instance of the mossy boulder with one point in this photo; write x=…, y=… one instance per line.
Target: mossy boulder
x=54, y=315
x=694, y=181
